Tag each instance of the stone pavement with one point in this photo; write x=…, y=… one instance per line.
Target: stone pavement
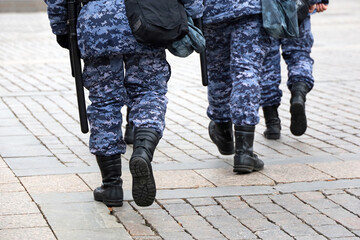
x=309, y=189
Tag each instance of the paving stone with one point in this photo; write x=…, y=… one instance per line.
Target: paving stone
x=26, y=151
x=257, y=199
x=175, y=236
x=13, y=141
x=299, y=229
x=22, y=221
x=33, y=162
x=132, y=221
x=316, y=219
x=7, y=176
x=148, y=238
x=17, y=130
x=333, y=231
x=202, y=201
x=79, y=216
x=292, y=204
x=269, y=234
x=343, y=216
x=11, y=187
x=180, y=209
x=214, y=210
x=266, y=208
x=198, y=227
x=171, y=201
x=230, y=227
x=231, y=202
x=94, y=234
x=316, y=186
x=259, y=224
x=347, y=201
x=348, y=169
x=213, y=192
x=161, y=221
x=180, y=179
x=327, y=192
x=17, y=203
x=294, y=173
x=354, y=191
x=43, y=233
x=2, y=163
x=283, y=218
x=63, y=197
x=317, y=200
x=54, y=183
x=225, y=177
x=312, y=237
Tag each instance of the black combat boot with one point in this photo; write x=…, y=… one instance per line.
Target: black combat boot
x=272, y=122
x=129, y=129
x=298, y=123
x=222, y=135
x=245, y=161
x=110, y=192
x=143, y=188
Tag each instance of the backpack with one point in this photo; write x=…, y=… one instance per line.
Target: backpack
x=157, y=22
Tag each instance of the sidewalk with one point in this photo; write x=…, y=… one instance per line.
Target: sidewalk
x=309, y=189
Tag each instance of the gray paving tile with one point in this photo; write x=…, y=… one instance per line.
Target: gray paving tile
x=315, y=186
x=26, y=151
x=214, y=192
x=93, y=234
x=27, y=233
x=17, y=203
x=22, y=221
x=65, y=197
x=333, y=231
x=33, y=163
x=79, y=216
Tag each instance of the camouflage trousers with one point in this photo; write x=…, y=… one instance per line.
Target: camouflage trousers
x=142, y=86
x=235, y=54
x=296, y=53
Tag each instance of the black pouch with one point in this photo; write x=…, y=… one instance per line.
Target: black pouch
x=302, y=10
x=157, y=22
x=280, y=18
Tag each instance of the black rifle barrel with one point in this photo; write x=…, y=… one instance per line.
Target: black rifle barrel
x=203, y=62
x=73, y=10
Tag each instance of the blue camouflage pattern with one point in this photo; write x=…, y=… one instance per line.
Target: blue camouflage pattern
x=296, y=53
x=235, y=53
x=103, y=28
x=143, y=86
x=227, y=10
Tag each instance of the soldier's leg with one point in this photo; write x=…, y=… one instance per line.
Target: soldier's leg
x=146, y=83
x=270, y=90
x=103, y=77
x=219, y=86
x=296, y=53
x=249, y=46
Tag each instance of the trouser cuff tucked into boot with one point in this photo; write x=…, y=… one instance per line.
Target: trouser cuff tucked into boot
x=245, y=161
x=111, y=191
x=272, y=121
x=298, y=123
x=143, y=187
x=222, y=135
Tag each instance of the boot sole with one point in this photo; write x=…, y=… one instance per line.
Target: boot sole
x=111, y=203
x=245, y=169
x=298, y=124
x=143, y=187
x=272, y=136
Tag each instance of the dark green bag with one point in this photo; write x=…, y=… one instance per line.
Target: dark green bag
x=280, y=18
